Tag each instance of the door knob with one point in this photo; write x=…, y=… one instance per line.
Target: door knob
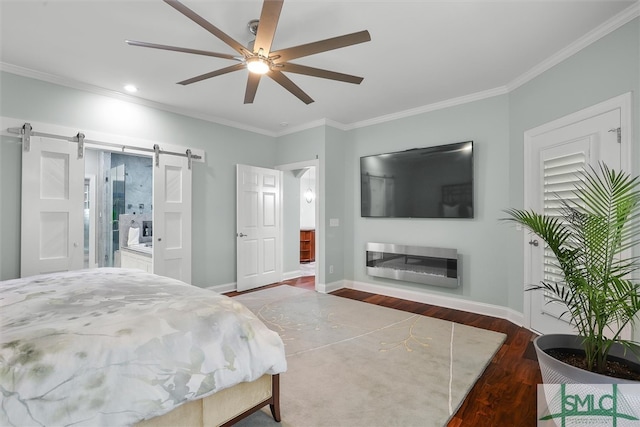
x=242, y=235
x=533, y=242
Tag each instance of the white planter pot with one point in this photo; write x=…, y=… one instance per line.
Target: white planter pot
x=589, y=383
x=557, y=372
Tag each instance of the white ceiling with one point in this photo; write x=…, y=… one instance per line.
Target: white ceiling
x=422, y=53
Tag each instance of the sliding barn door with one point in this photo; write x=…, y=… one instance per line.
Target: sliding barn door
x=52, y=236
x=172, y=218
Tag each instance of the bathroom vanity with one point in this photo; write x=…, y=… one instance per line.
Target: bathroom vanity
x=137, y=256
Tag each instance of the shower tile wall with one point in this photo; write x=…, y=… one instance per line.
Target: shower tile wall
x=138, y=182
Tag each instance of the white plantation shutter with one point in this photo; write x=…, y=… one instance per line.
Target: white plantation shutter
x=553, y=153
x=560, y=179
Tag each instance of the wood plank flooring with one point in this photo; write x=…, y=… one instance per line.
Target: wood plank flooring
x=505, y=394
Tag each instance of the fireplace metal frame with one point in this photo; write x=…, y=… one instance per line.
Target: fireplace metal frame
x=437, y=254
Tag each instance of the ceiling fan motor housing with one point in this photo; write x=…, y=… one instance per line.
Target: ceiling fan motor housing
x=253, y=26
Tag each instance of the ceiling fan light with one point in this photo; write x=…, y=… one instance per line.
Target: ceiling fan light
x=257, y=65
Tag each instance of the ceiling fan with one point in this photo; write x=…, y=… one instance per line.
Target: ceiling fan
x=258, y=58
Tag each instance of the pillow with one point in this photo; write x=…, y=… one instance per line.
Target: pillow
x=450, y=211
x=134, y=236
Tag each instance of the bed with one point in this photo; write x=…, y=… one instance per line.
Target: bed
x=116, y=347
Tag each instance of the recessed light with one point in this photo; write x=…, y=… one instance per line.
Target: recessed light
x=130, y=88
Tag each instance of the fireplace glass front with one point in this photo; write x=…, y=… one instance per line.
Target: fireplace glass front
x=433, y=266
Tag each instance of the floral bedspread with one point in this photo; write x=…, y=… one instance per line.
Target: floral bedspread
x=114, y=346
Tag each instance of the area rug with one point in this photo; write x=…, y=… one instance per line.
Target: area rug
x=356, y=364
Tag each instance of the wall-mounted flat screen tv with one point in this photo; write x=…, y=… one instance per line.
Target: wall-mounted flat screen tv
x=429, y=182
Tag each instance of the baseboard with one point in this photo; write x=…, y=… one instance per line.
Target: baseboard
x=506, y=313
x=326, y=288
x=485, y=309
x=291, y=274
x=224, y=288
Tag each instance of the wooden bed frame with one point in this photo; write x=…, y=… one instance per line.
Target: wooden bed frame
x=226, y=407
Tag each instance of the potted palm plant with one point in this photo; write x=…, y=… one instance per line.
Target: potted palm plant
x=589, y=239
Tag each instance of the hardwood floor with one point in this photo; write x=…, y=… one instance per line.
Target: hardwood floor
x=505, y=394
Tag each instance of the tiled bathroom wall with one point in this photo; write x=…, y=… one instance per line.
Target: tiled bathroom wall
x=138, y=182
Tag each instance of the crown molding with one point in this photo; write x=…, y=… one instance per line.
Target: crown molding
x=597, y=33
x=431, y=107
x=592, y=36
x=302, y=127
x=314, y=124
x=74, y=84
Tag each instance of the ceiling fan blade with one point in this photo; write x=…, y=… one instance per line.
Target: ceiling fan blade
x=320, y=46
x=284, y=81
x=219, y=72
x=207, y=26
x=180, y=49
x=252, y=87
x=317, y=72
x=267, y=26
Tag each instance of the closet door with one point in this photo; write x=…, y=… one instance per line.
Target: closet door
x=52, y=207
x=555, y=152
x=172, y=218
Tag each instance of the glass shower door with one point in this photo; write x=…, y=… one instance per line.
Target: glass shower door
x=117, y=208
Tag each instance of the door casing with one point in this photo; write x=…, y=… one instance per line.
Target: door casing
x=622, y=102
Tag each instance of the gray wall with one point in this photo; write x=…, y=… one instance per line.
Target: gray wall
x=605, y=69
x=10, y=187
x=213, y=182
x=492, y=252
x=291, y=222
x=294, y=148
x=492, y=258
x=335, y=181
x=477, y=240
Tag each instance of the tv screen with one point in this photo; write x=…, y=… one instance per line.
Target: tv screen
x=429, y=182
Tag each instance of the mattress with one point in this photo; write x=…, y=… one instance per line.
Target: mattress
x=116, y=346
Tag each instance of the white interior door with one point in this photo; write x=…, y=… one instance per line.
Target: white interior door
x=172, y=218
x=554, y=155
x=258, y=236
x=52, y=235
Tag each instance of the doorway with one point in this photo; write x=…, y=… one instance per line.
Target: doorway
x=116, y=205
x=308, y=177
x=307, y=181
